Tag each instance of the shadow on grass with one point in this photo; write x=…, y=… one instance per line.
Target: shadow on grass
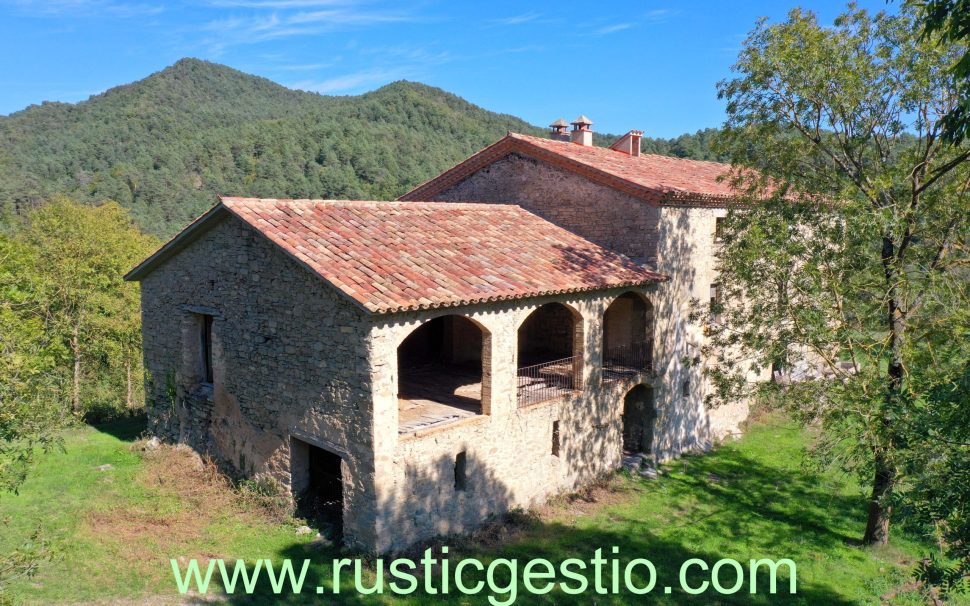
x=758, y=508
x=126, y=429
x=667, y=557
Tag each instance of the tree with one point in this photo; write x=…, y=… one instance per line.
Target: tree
x=28, y=372
x=950, y=21
x=846, y=271
x=81, y=253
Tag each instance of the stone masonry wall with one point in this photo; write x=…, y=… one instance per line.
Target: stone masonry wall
x=290, y=359
x=608, y=217
x=509, y=451
x=677, y=241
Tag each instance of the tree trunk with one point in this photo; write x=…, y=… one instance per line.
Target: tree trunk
x=880, y=510
x=128, y=392
x=884, y=475
x=76, y=385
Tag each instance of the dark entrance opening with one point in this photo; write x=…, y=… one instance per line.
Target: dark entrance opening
x=638, y=418
x=319, y=487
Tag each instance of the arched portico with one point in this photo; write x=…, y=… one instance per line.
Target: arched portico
x=550, y=353
x=627, y=337
x=444, y=371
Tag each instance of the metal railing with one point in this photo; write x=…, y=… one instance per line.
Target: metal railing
x=553, y=379
x=624, y=361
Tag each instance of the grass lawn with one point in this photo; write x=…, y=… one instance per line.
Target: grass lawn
x=115, y=530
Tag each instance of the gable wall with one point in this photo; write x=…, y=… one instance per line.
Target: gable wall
x=610, y=218
x=289, y=358
x=676, y=241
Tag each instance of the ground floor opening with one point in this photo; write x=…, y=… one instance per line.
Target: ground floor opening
x=318, y=485
x=639, y=414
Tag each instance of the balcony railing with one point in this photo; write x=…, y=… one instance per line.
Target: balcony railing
x=625, y=361
x=549, y=380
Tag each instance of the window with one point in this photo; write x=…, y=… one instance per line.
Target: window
x=715, y=303
x=461, y=462
x=685, y=387
x=205, y=346
x=555, y=438
x=718, y=229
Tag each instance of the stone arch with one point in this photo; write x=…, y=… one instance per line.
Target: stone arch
x=627, y=335
x=639, y=414
x=444, y=370
x=549, y=352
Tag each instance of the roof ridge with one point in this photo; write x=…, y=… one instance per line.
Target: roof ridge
x=634, y=158
x=469, y=205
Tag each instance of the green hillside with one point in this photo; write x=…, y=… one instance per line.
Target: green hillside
x=166, y=145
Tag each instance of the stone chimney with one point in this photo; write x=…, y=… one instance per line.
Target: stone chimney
x=629, y=143
x=559, y=130
x=582, y=134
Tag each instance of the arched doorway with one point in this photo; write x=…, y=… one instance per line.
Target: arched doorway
x=443, y=372
x=627, y=337
x=550, y=353
x=638, y=418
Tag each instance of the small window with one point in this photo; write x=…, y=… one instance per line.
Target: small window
x=461, y=462
x=205, y=344
x=715, y=303
x=685, y=387
x=718, y=229
x=555, y=438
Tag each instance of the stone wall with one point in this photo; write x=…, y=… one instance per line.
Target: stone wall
x=508, y=453
x=290, y=358
x=608, y=217
x=675, y=240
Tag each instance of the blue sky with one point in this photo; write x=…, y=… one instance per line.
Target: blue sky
x=648, y=64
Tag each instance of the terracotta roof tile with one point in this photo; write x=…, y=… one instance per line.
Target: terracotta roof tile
x=654, y=178
x=396, y=256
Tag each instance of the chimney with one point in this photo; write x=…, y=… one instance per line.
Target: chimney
x=582, y=134
x=629, y=143
x=559, y=130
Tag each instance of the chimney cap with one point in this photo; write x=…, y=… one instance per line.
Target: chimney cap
x=582, y=120
x=559, y=122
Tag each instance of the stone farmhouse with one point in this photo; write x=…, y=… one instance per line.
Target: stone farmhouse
x=503, y=333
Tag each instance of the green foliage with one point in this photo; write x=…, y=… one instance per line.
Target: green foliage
x=85, y=316
x=697, y=146
x=29, y=377
x=949, y=21
x=165, y=146
x=854, y=270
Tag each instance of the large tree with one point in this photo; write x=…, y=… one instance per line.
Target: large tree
x=81, y=253
x=848, y=274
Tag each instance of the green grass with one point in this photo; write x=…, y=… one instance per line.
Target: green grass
x=754, y=498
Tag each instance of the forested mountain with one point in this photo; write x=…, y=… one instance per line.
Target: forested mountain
x=166, y=145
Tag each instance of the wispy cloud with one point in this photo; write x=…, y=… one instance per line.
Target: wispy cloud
x=517, y=19
x=87, y=8
x=352, y=81
x=659, y=15
x=612, y=29
x=276, y=25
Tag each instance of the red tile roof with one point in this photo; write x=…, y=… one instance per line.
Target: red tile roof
x=656, y=179
x=397, y=256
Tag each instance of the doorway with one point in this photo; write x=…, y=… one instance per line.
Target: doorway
x=638, y=418
x=318, y=486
